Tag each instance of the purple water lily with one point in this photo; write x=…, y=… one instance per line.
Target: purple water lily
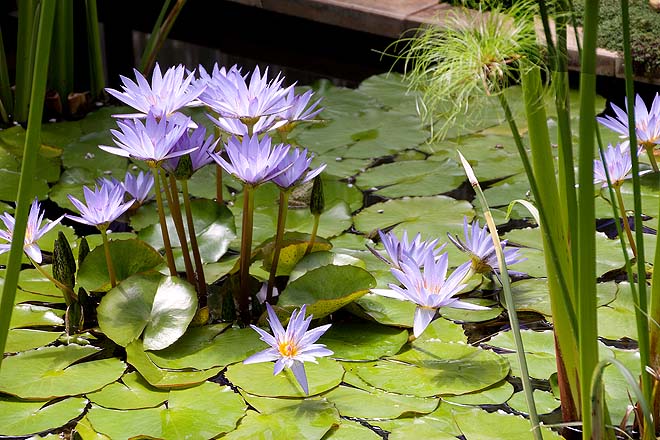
x=619, y=165
x=33, y=231
x=398, y=250
x=299, y=108
x=200, y=148
x=429, y=287
x=647, y=122
x=138, y=186
x=152, y=142
x=167, y=93
x=253, y=161
x=103, y=205
x=296, y=169
x=479, y=246
x=292, y=347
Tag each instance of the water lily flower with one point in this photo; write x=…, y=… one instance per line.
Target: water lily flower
x=292, y=347
x=479, y=246
x=398, y=250
x=251, y=160
x=104, y=204
x=647, y=122
x=429, y=287
x=231, y=96
x=299, y=108
x=201, y=147
x=166, y=95
x=619, y=165
x=296, y=169
x=33, y=231
x=152, y=142
x=138, y=186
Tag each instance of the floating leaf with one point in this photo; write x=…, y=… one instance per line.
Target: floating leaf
x=323, y=258
x=48, y=372
x=545, y=402
x=19, y=418
x=466, y=315
x=349, y=430
x=26, y=339
x=388, y=311
x=494, y=395
x=327, y=289
x=204, y=411
x=293, y=249
x=258, y=378
x=437, y=425
x=129, y=257
x=617, y=319
x=133, y=392
x=391, y=90
x=353, y=402
x=363, y=341
x=539, y=352
x=478, y=424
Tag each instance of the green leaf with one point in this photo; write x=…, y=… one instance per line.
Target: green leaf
x=293, y=249
x=617, y=319
x=133, y=392
x=327, y=289
x=258, y=379
x=19, y=418
x=206, y=347
x=353, y=402
x=363, y=341
x=539, y=352
x=29, y=315
x=387, y=311
x=204, y=411
x=323, y=258
x=545, y=402
x=129, y=257
x=494, y=395
x=478, y=424
x=349, y=430
x=48, y=372
x=161, y=378
x=162, y=307
x=391, y=90
x=27, y=339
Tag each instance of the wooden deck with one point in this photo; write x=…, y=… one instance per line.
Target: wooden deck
x=391, y=18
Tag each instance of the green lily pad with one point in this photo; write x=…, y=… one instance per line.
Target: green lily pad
x=466, y=315
x=494, y=395
x=342, y=101
x=617, y=319
x=133, y=392
x=85, y=153
x=162, y=378
x=353, y=402
x=545, y=402
x=258, y=378
x=323, y=258
x=437, y=425
x=349, y=430
x=204, y=411
x=71, y=183
x=293, y=249
x=539, y=352
x=214, y=227
x=363, y=341
x=48, y=372
x=412, y=178
x=478, y=424
x=617, y=389
x=19, y=418
x=9, y=185
x=309, y=420
x=327, y=289
x=341, y=167
x=33, y=281
x=442, y=330
x=436, y=368
x=391, y=90
x=129, y=257
x=30, y=315
x=432, y=216
x=161, y=307
x=205, y=347
x=27, y=339
x=387, y=311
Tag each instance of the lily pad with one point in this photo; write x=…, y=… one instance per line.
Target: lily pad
x=258, y=379
x=494, y=395
x=436, y=368
x=466, y=315
x=129, y=257
x=353, y=402
x=205, y=347
x=327, y=289
x=30, y=315
x=20, y=418
x=391, y=90
x=48, y=372
x=363, y=341
x=204, y=411
x=349, y=430
x=27, y=339
x=161, y=307
x=133, y=392
x=387, y=311
x=293, y=249
x=545, y=402
x=478, y=424
x=323, y=258
x=437, y=425
x=539, y=352
x=617, y=319
x=432, y=216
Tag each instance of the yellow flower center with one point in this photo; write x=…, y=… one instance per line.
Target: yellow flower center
x=287, y=348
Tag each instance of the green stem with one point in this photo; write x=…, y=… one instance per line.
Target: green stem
x=27, y=11
x=312, y=236
x=201, y=280
x=108, y=257
x=28, y=169
x=281, y=222
x=624, y=218
x=508, y=298
x=69, y=294
x=61, y=73
x=177, y=217
x=151, y=41
x=641, y=309
x=161, y=36
x=163, y=223
x=6, y=101
x=97, y=79
x=246, y=253
x=650, y=147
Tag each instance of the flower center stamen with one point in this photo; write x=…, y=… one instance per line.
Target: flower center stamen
x=288, y=348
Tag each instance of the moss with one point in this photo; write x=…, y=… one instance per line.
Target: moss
x=644, y=32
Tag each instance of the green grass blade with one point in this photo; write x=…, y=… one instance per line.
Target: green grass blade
x=6, y=100
x=96, y=74
x=61, y=65
x=151, y=41
x=28, y=167
x=27, y=10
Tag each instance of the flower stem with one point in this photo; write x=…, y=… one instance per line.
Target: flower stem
x=68, y=291
x=175, y=210
x=108, y=257
x=163, y=224
x=201, y=280
x=624, y=218
x=246, y=252
x=281, y=222
x=315, y=230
